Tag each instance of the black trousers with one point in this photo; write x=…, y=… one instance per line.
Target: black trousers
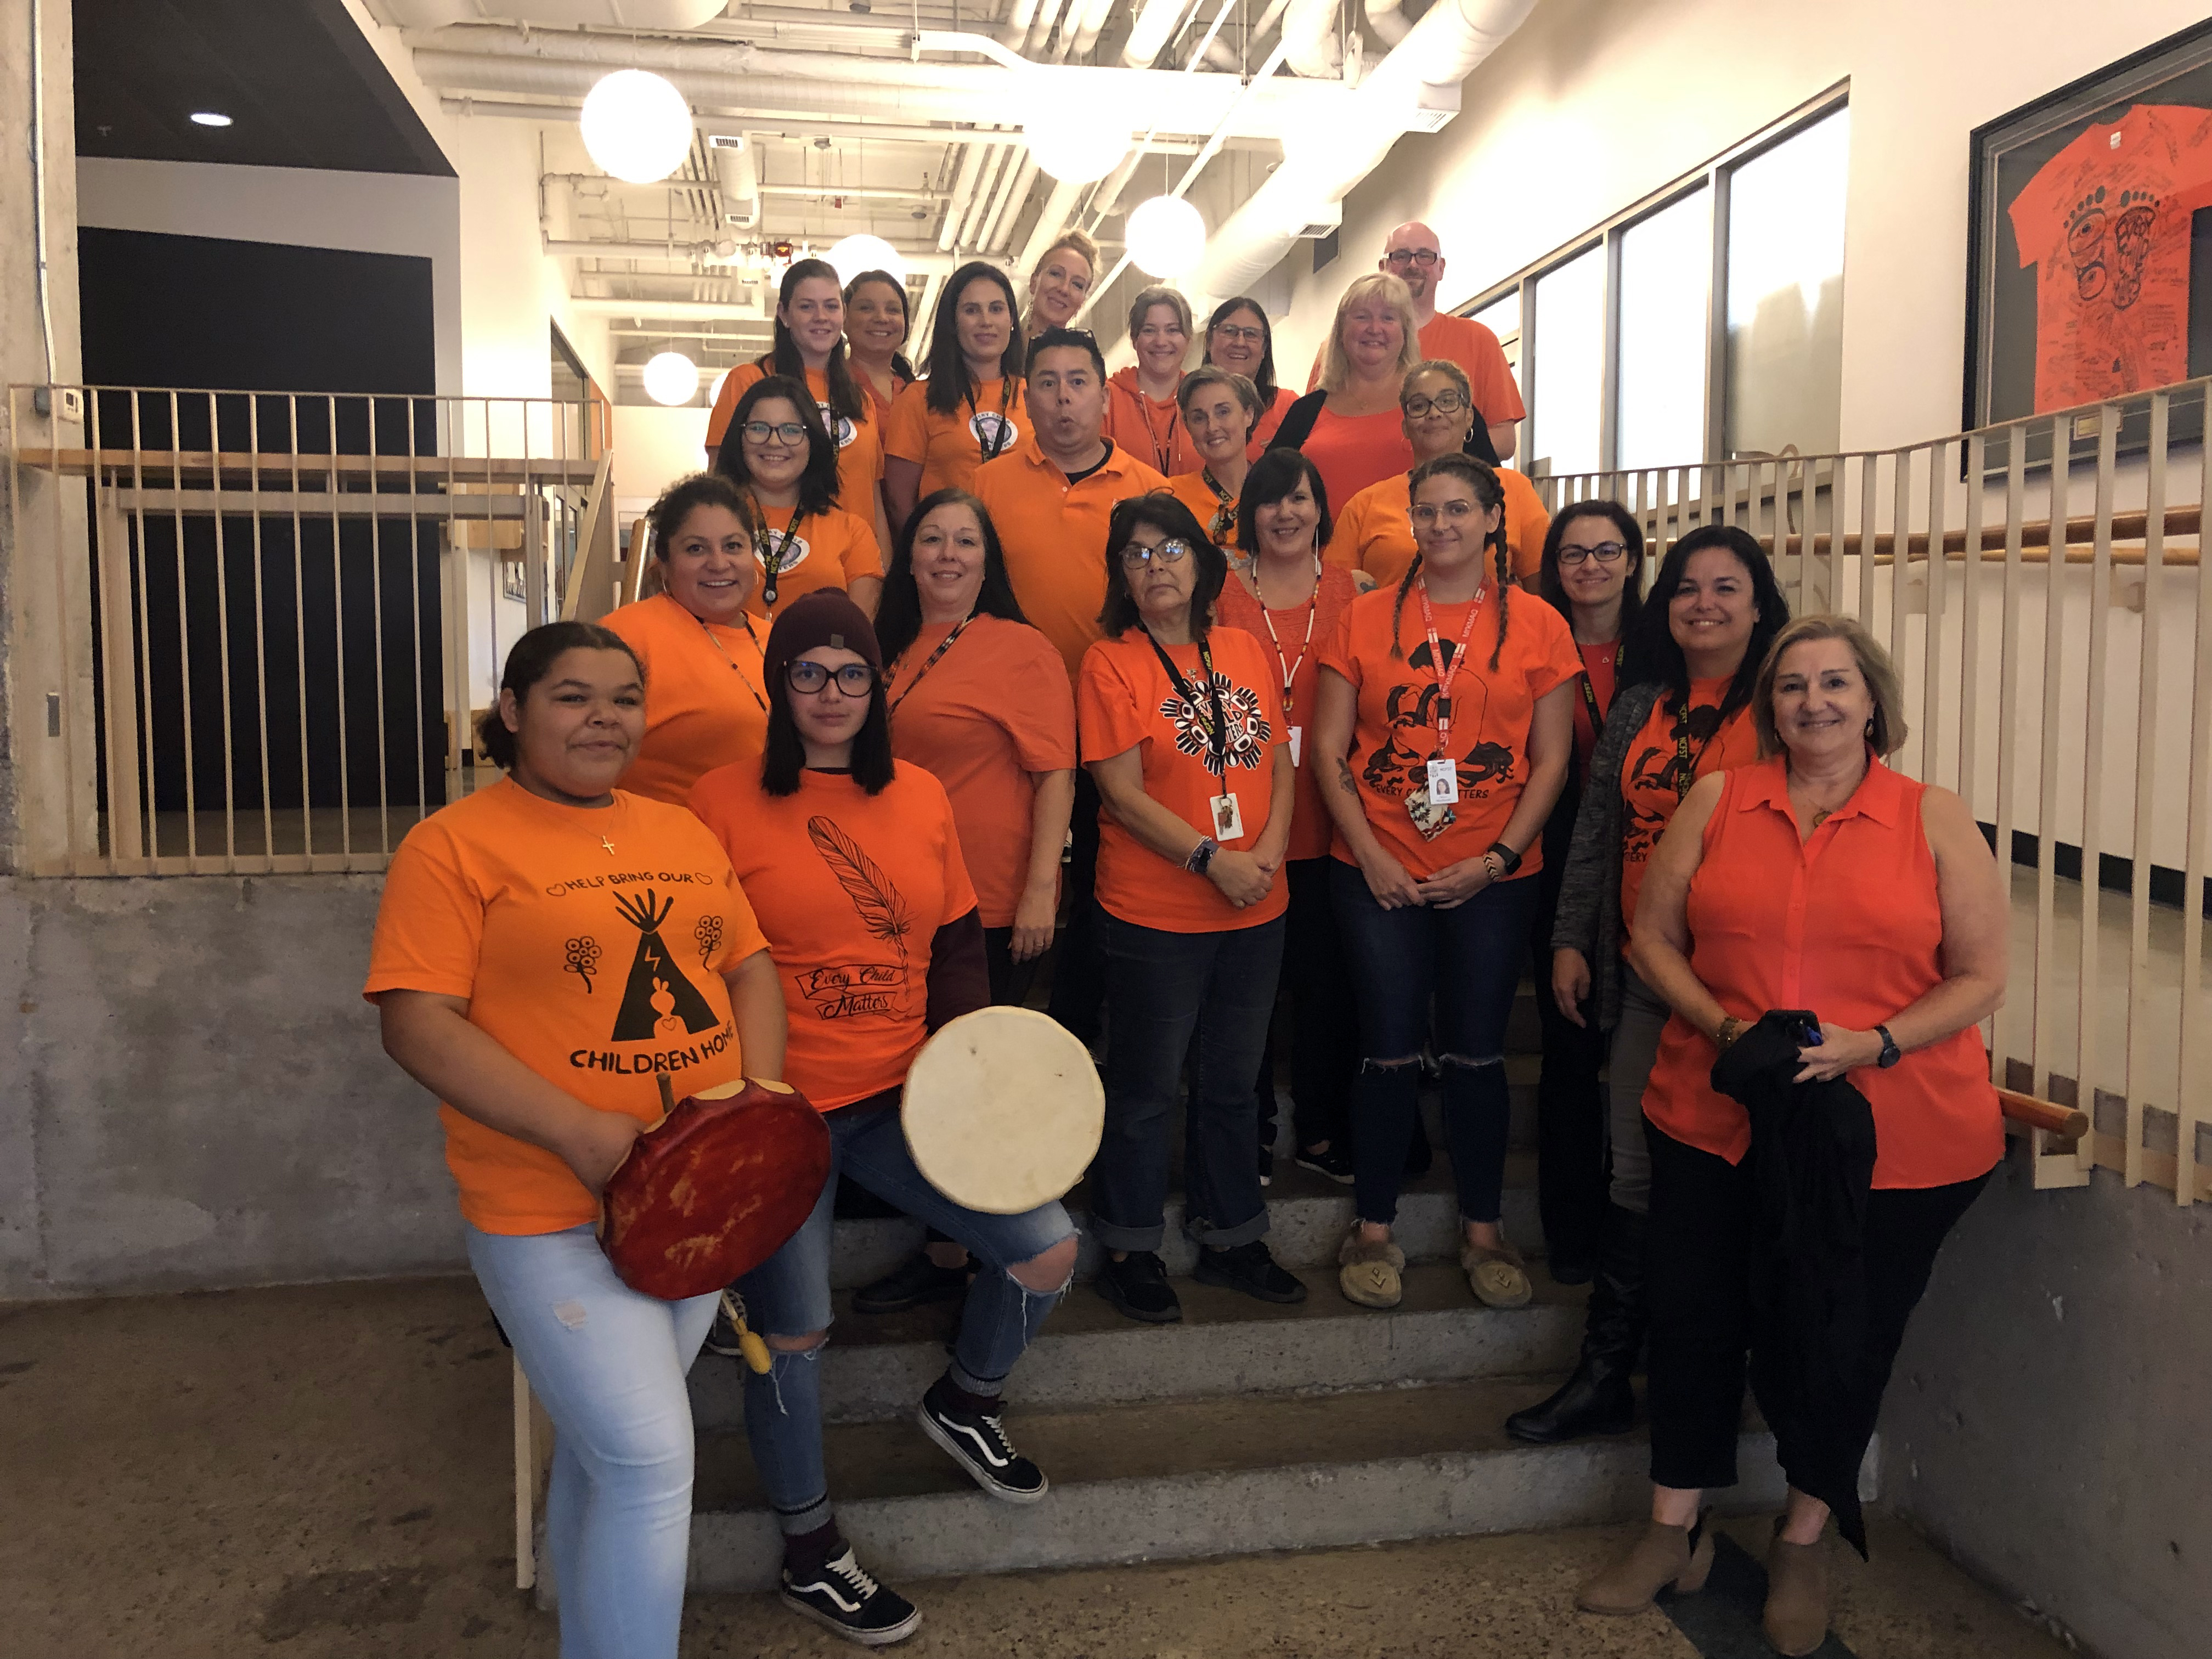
x=1703, y=1337
x=1079, y=972
x=1571, y=1172
x=1317, y=1018
x=1011, y=981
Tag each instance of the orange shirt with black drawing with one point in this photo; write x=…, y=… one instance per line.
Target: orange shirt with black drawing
x=822, y=550
x=1192, y=489
x=599, y=970
x=1395, y=731
x=1653, y=779
x=1149, y=428
x=850, y=890
x=706, y=696
x=951, y=447
x=859, y=443
x=1126, y=701
x=992, y=710
x=1295, y=646
x=1053, y=535
x=1374, y=532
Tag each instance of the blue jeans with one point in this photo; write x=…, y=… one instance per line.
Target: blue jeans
x=788, y=1296
x=1469, y=960
x=608, y=1362
x=1162, y=988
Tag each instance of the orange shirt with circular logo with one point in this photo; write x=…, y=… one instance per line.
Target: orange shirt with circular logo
x=821, y=550
x=1295, y=646
x=949, y=447
x=859, y=443
x=1374, y=532
x=1653, y=780
x=706, y=696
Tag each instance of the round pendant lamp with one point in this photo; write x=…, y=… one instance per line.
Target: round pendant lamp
x=636, y=127
x=851, y=255
x=1165, y=236
x=671, y=378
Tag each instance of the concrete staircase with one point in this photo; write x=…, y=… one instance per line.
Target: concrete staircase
x=1247, y=1427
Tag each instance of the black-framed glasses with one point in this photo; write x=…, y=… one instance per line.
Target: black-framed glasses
x=1445, y=403
x=1604, y=553
x=789, y=432
x=1136, y=555
x=1423, y=257
x=807, y=676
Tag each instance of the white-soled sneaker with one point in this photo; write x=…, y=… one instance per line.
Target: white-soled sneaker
x=977, y=1442
x=843, y=1598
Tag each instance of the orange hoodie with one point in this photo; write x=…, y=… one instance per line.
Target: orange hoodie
x=1148, y=429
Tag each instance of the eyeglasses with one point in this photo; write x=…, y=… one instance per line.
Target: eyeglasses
x=1604, y=553
x=1423, y=257
x=1445, y=403
x=1136, y=555
x=807, y=676
x=788, y=432
x=1239, y=332
x=1427, y=513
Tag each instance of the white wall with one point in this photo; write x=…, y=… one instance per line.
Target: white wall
x=654, y=447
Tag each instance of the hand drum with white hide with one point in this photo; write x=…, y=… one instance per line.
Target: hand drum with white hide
x=1003, y=1110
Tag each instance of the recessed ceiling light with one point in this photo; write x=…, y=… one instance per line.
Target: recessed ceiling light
x=208, y=117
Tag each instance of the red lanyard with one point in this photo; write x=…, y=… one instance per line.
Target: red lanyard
x=1313, y=607
x=1446, y=675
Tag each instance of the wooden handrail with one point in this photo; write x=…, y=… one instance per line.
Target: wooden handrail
x=2069, y=1122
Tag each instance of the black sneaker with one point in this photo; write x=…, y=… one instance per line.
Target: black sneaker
x=977, y=1442
x=919, y=1281
x=1249, y=1269
x=1336, y=1164
x=843, y=1598
x=1139, y=1288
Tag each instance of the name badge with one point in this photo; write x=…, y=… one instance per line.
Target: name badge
x=1228, y=820
x=1444, y=782
x=1297, y=744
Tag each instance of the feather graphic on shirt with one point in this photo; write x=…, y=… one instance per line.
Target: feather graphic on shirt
x=882, y=909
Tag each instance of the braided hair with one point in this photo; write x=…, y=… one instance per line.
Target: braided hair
x=1490, y=496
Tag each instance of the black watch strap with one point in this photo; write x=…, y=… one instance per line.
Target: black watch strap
x=1890, y=1054
x=1506, y=856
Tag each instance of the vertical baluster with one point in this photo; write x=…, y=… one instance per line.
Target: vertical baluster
x=2194, y=1056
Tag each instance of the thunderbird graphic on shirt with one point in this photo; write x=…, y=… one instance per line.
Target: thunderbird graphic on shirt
x=1250, y=733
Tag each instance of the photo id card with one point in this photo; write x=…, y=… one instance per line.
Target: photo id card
x=1444, y=782
x=1228, y=820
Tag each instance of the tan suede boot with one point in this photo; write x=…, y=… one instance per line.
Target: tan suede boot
x=1367, y=1271
x=1664, y=1556
x=1796, y=1620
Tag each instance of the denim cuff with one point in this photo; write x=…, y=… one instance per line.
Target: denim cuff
x=793, y=1523
x=1113, y=1237
x=1223, y=1238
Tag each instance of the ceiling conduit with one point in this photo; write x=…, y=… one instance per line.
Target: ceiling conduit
x=1310, y=32
x=560, y=13
x=1385, y=18
x=1155, y=25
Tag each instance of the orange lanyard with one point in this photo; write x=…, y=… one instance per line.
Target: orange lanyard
x=1446, y=675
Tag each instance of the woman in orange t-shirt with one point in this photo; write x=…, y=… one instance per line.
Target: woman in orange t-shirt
x=694, y=640
x=1286, y=598
x=1142, y=414
x=778, y=451
x=536, y=966
x=1218, y=408
x=876, y=325
x=1350, y=423
x=1447, y=757
x=1818, y=880
x=854, y=867
x=969, y=410
x=1239, y=338
x=1182, y=727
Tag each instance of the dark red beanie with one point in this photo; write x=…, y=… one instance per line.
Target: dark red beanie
x=825, y=616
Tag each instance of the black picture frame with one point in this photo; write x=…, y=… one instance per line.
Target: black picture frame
x=2003, y=156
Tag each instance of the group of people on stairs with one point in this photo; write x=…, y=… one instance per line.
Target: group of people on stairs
x=1289, y=732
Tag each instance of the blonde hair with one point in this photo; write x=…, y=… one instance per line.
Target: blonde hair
x=1158, y=295
x=1068, y=240
x=1885, y=732
x=1335, y=367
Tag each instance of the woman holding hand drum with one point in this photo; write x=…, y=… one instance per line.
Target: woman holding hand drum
x=537, y=967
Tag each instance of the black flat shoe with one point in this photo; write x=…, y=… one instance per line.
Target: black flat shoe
x=1138, y=1286
x=1249, y=1269
x=919, y=1282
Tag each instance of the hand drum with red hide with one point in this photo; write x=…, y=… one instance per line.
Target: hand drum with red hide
x=715, y=1188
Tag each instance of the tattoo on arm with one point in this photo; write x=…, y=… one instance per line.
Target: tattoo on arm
x=1344, y=777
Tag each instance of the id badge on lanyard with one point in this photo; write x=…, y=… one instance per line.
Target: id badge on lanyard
x=1430, y=805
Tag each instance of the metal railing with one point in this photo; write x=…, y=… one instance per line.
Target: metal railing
x=2041, y=586
x=262, y=623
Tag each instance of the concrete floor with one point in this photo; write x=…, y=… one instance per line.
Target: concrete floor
x=324, y=1470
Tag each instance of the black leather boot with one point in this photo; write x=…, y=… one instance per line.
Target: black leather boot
x=1598, y=1399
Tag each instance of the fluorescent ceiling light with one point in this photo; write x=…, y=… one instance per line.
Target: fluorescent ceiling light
x=208, y=117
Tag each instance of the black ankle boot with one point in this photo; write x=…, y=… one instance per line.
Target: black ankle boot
x=1597, y=1399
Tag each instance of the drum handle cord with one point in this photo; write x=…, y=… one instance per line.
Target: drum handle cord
x=754, y=1350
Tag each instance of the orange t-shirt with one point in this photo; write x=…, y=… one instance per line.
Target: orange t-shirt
x=1053, y=535
x=1149, y=428
x=850, y=890
x=879, y=407
x=1601, y=672
x=1270, y=419
x=706, y=696
x=992, y=709
x=1192, y=489
x=1351, y=451
x=1126, y=701
x=597, y=970
x=950, y=448
x=1651, y=781
x=1295, y=645
x=830, y=549
x=2106, y=223
x=1474, y=347
x=1395, y=733
x=1373, y=533
x=1847, y=924
x=859, y=443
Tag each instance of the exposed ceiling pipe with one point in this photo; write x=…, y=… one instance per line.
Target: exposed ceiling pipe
x=1267, y=19
x=963, y=187
x=1094, y=13
x=1039, y=33
x=1309, y=31
x=986, y=182
x=995, y=204
x=1384, y=17
x=1001, y=232
x=854, y=193
x=1059, y=208
x=1155, y=25
x=562, y=14
x=1016, y=28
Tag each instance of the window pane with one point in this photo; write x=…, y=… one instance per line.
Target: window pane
x=1666, y=271
x=1785, y=293
x=1570, y=362
x=1502, y=317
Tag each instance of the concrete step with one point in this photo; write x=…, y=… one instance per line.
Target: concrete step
x=1171, y=1479
x=876, y=1366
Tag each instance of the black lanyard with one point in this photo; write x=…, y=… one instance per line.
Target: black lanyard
x=1590, y=700
x=1001, y=433
x=1685, y=768
x=1216, y=736
x=943, y=646
x=776, y=544
x=1224, y=515
x=747, y=623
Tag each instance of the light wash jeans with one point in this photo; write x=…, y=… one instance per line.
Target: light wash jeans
x=608, y=1362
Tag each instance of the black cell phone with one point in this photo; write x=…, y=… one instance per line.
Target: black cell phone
x=1807, y=1022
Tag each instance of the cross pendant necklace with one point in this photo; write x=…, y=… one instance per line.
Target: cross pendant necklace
x=609, y=845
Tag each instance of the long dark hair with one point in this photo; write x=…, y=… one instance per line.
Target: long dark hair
x=1264, y=381
x=949, y=379
x=846, y=397
x=900, y=366
x=898, y=614
x=1271, y=477
x=1490, y=496
x=687, y=495
x=785, y=755
x=1549, y=586
x=1168, y=515
x=817, y=484
x=528, y=661
x=1650, y=653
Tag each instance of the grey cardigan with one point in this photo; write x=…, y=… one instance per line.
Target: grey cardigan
x=1588, y=916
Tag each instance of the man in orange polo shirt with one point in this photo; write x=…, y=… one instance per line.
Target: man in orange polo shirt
x=1049, y=501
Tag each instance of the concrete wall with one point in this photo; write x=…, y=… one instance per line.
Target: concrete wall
x=196, y=1095
x=2045, y=1425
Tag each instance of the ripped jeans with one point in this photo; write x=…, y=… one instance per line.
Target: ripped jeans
x=788, y=1296
x=1469, y=960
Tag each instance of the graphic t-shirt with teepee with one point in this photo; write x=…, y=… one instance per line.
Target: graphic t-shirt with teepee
x=850, y=889
x=591, y=944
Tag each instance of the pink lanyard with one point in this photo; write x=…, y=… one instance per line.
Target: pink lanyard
x=1446, y=675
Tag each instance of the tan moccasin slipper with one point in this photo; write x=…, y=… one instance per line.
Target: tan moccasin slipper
x=1367, y=1271
x=1497, y=1276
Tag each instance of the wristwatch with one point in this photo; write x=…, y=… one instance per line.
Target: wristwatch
x=1890, y=1054
x=1506, y=856
x=1202, y=855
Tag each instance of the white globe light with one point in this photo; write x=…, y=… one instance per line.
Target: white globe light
x=1076, y=139
x=671, y=378
x=714, y=392
x=1165, y=236
x=637, y=126
x=854, y=254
